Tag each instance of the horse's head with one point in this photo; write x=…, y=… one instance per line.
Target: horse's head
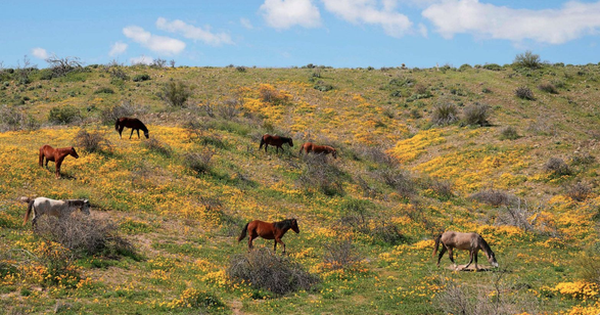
x=147, y=134
x=291, y=142
x=86, y=207
x=73, y=153
x=334, y=153
x=492, y=259
x=295, y=227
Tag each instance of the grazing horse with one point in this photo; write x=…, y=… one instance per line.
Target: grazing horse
x=472, y=242
x=58, y=208
x=56, y=155
x=276, y=141
x=133, y=123
x=318, y=149
x=268, y=231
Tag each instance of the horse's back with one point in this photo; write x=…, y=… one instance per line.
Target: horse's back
x=261, y=228
x=47, y=151
x=459, y=240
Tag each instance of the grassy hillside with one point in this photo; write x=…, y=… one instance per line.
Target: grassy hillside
x=367, y=219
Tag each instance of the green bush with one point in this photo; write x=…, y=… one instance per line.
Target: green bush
x=141, y=77
x=104, y=90
x=548, y=87
x=476, y=114
x=528, y=60
x=175, y=94
x=63, y=115
x=509, y=133
x=444, y=113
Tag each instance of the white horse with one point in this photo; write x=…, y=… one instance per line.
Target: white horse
x=58, y=208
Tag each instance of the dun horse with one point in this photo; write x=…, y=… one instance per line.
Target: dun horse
x=55, y=155
x=276, y=141
x=318, y=149
x=472, y=242
x=268, y=231
x=58, y=208
x=133, y=123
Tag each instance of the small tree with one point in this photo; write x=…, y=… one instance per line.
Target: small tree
x=528, y=60
x=175, y=94
x=61, y=66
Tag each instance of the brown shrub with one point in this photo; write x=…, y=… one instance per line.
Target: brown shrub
x=91, y=141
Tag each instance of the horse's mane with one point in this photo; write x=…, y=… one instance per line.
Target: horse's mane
x=485, y=247
x=285, y=224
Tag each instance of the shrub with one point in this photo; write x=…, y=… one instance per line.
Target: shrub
x=398, y=179
x=266, y=270
x=421, y=89
x=492, y=67
x=57, y=262
x=444, y=113
x=494, y=198
x=241, y=69
x=579, y=191
x=88, y=235
x=509, y=133
x=91, y=141
x=125, y=109
x=322, y=86
x=104, y=90
x=64, y=114
x=341, y=254
x=525, y=93
x=230, y=108
x=10, y=118
x=63, y=66
x=141, y=78
x=465, y=67
x=269, y=94
x=557, y=166
x=157, y=146
x=528, y=60
x=590, y=265
x=198, y=161
x=477, y=114
x=548, y=87
x=175, y=94
x=320, y=175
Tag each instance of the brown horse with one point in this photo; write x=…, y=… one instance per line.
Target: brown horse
x=268, y=231
x=318, y=149
x=276, y=141
x=56, y=155
x=472, y=242
x=133, y=123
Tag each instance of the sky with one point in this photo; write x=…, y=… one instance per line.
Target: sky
x=287, y=33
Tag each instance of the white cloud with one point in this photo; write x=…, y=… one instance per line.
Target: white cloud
x=145, y=60
x=193, y=32
x=117, y=49
x=370, y=12
x=246, y=23
x=159, y=44
x=40, y=53
x=553, y=26
x=283, y=14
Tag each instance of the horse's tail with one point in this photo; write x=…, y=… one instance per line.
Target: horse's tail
x=243, y=235
x=29, y=207
x=262, y=142
x=437, y=245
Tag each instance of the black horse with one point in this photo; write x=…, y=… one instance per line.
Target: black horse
x=133, y=123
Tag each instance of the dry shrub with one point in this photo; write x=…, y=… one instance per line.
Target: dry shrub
x=319, y=174
x=420, y=89
x=444, y=113
x=175, y=94
x=230, y=108
x=558, y=167
x=583, y=159
x=198, y=161
x=477, y=114
x=270, y=94
x=548, y=87
x=525, y=93
x=509, y=133
x=265, y=270
x=155, y=145
x=11, y=119
x=400, y=180
x=520, y=215
x=579, y=191
x=125, y=109
x=341, y=254
x=83, y=234
x=493, y=197
x=91, y=141
x=358, y=217
x=372, y=153
x=590, y=265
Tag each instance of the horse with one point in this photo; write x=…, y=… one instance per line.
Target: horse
x=318, y=149
x=472, y=242
x=276, y=141
x=268, y=231
x=56, y=155
x=133, y=123
x=58, y=208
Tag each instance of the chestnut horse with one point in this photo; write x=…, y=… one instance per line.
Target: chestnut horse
x=56, y=155
x=58, y=208
x=318, y=149
x=268, y=231
x=276, y=141
x=472, y=242
x=133, y=123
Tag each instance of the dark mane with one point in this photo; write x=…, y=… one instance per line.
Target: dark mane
x=142, y=126
x=484, y=246
x=285, y=224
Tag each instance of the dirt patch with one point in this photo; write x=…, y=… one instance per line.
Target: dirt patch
x=471, y=268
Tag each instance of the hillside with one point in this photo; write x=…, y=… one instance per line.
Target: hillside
x=367, y=219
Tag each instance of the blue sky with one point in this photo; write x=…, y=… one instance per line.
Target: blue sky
x=285, y=33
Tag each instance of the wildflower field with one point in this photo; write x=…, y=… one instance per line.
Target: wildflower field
x=179, y=200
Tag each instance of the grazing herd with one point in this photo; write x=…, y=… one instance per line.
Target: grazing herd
x=62, y=208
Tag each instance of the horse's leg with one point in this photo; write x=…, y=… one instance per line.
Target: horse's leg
x=275, y=247
x=251, y=237
x=138, y=131
x=266, y=146
x=451, y=255
x=470, y=259
x=121, y=131
x=41, y=159
x=475, y=256
x=441, y=254
x=131, y=133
